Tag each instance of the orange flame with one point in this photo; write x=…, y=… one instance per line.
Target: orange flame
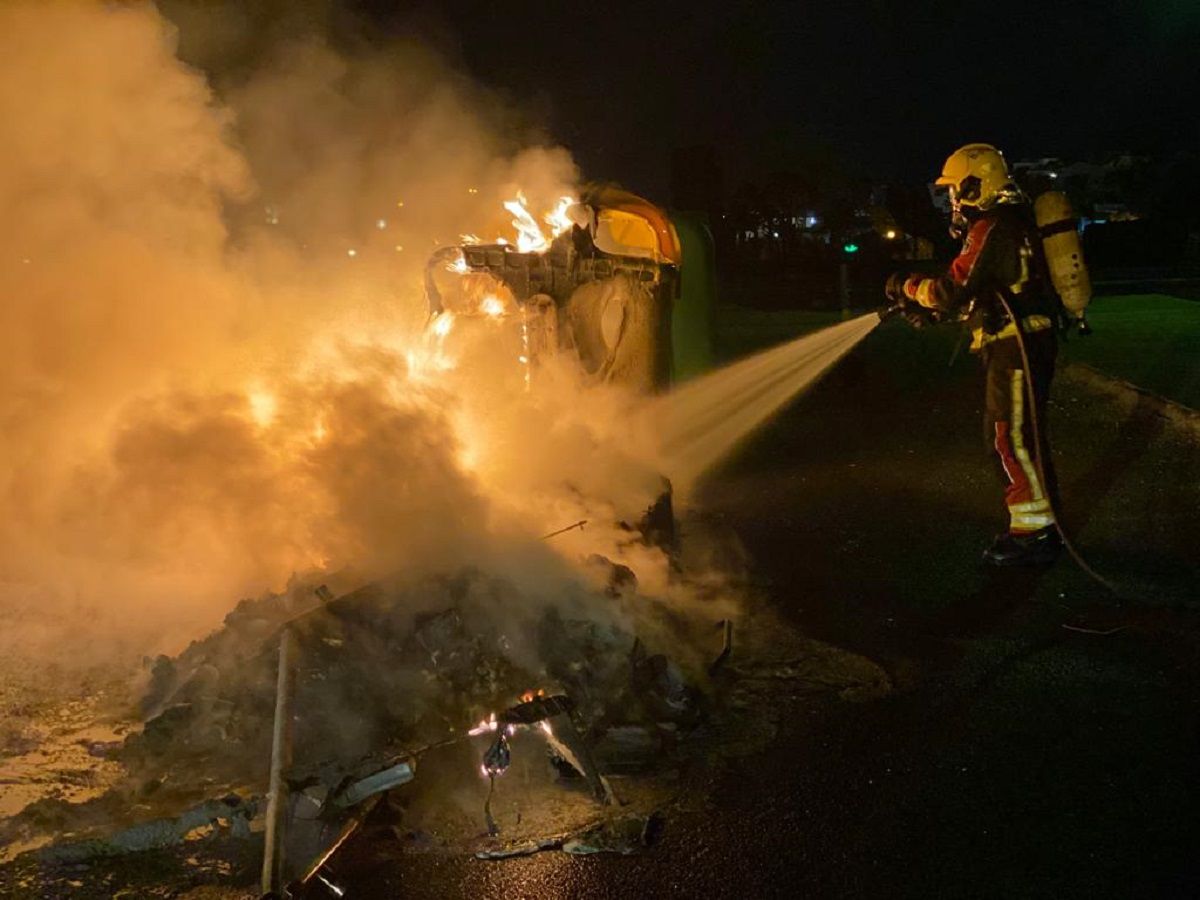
x=491, y=305
x=530, y=238
x=557, y=218
x=484, y=726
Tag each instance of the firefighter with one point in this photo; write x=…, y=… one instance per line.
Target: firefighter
x=1001, y=257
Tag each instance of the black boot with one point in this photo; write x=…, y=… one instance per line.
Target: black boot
x=1038, y=548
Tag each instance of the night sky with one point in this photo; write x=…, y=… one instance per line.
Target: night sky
x=886, y=89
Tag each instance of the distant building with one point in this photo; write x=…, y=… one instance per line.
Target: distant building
x=1112, y=189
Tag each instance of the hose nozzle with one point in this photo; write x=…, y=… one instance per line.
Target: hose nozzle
x=889, y=311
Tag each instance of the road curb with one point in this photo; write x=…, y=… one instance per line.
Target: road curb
x=1183, y=417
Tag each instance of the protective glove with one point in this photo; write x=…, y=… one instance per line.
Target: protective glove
x=894, y=287
x=918, y=316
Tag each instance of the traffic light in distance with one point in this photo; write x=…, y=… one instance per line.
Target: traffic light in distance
x=849, y=248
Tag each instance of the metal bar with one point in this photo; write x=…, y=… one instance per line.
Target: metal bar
x=281, y=760
x=349, y=827
x=376, y=783
x=571, y=527
x=568, y=743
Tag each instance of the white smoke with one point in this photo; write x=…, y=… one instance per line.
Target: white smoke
x=215, y=373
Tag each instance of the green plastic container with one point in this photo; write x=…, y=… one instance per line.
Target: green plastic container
x=695, y=308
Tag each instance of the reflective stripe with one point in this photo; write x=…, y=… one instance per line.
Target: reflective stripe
x=1034, y=506
x=1029, y=324
x=1018, y=442
x=1002, y=452
x=1037, y=513
x=1026, y=522
x=924, y=293
x=1030, y=516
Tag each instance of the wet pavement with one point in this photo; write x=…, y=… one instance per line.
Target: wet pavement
x=1016, y=757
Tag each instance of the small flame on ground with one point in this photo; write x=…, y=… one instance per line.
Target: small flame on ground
x=484, y=726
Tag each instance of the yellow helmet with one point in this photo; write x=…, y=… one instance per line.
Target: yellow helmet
x=978, y=177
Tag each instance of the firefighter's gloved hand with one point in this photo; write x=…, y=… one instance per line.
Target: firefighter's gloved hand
x=894, y=287
x=918, y=316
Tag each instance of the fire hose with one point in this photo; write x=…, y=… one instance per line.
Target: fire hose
x=919, y=318
x=1035, y=424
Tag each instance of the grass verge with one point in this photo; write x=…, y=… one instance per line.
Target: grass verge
x=1150, y=340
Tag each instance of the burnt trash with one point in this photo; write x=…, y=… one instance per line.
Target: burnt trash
x=565, y=740
x=308, y=802
x=619, y=580
x=171, y=725
x=657, y=526
x=376, y=683
x=232, y=813
x=588, y=661
x=661, y=686
x=623, y=835
x=552, y=715
x=527, y=848
x=536, y=709
x=101, y=749
x=163, y=679
x=498, y=756
x=443, y=638
x=383, y=780
x=629, y=749
x=249, y=620
x=320, y=819
x=325, y=837
x=312, y=826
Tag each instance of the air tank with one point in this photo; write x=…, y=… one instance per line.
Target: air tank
x=1064, y=252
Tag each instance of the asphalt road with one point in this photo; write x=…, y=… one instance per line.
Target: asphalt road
x=1016, y=757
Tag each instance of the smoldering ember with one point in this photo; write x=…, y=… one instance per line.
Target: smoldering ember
x=453, y=451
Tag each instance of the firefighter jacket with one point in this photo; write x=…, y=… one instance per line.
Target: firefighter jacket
x=1001, y=256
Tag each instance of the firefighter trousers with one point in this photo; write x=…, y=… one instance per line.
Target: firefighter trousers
x=1008, y=426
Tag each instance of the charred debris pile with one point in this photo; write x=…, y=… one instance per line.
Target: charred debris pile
x=522, y=724
x=452, y=714
x=373, y=678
